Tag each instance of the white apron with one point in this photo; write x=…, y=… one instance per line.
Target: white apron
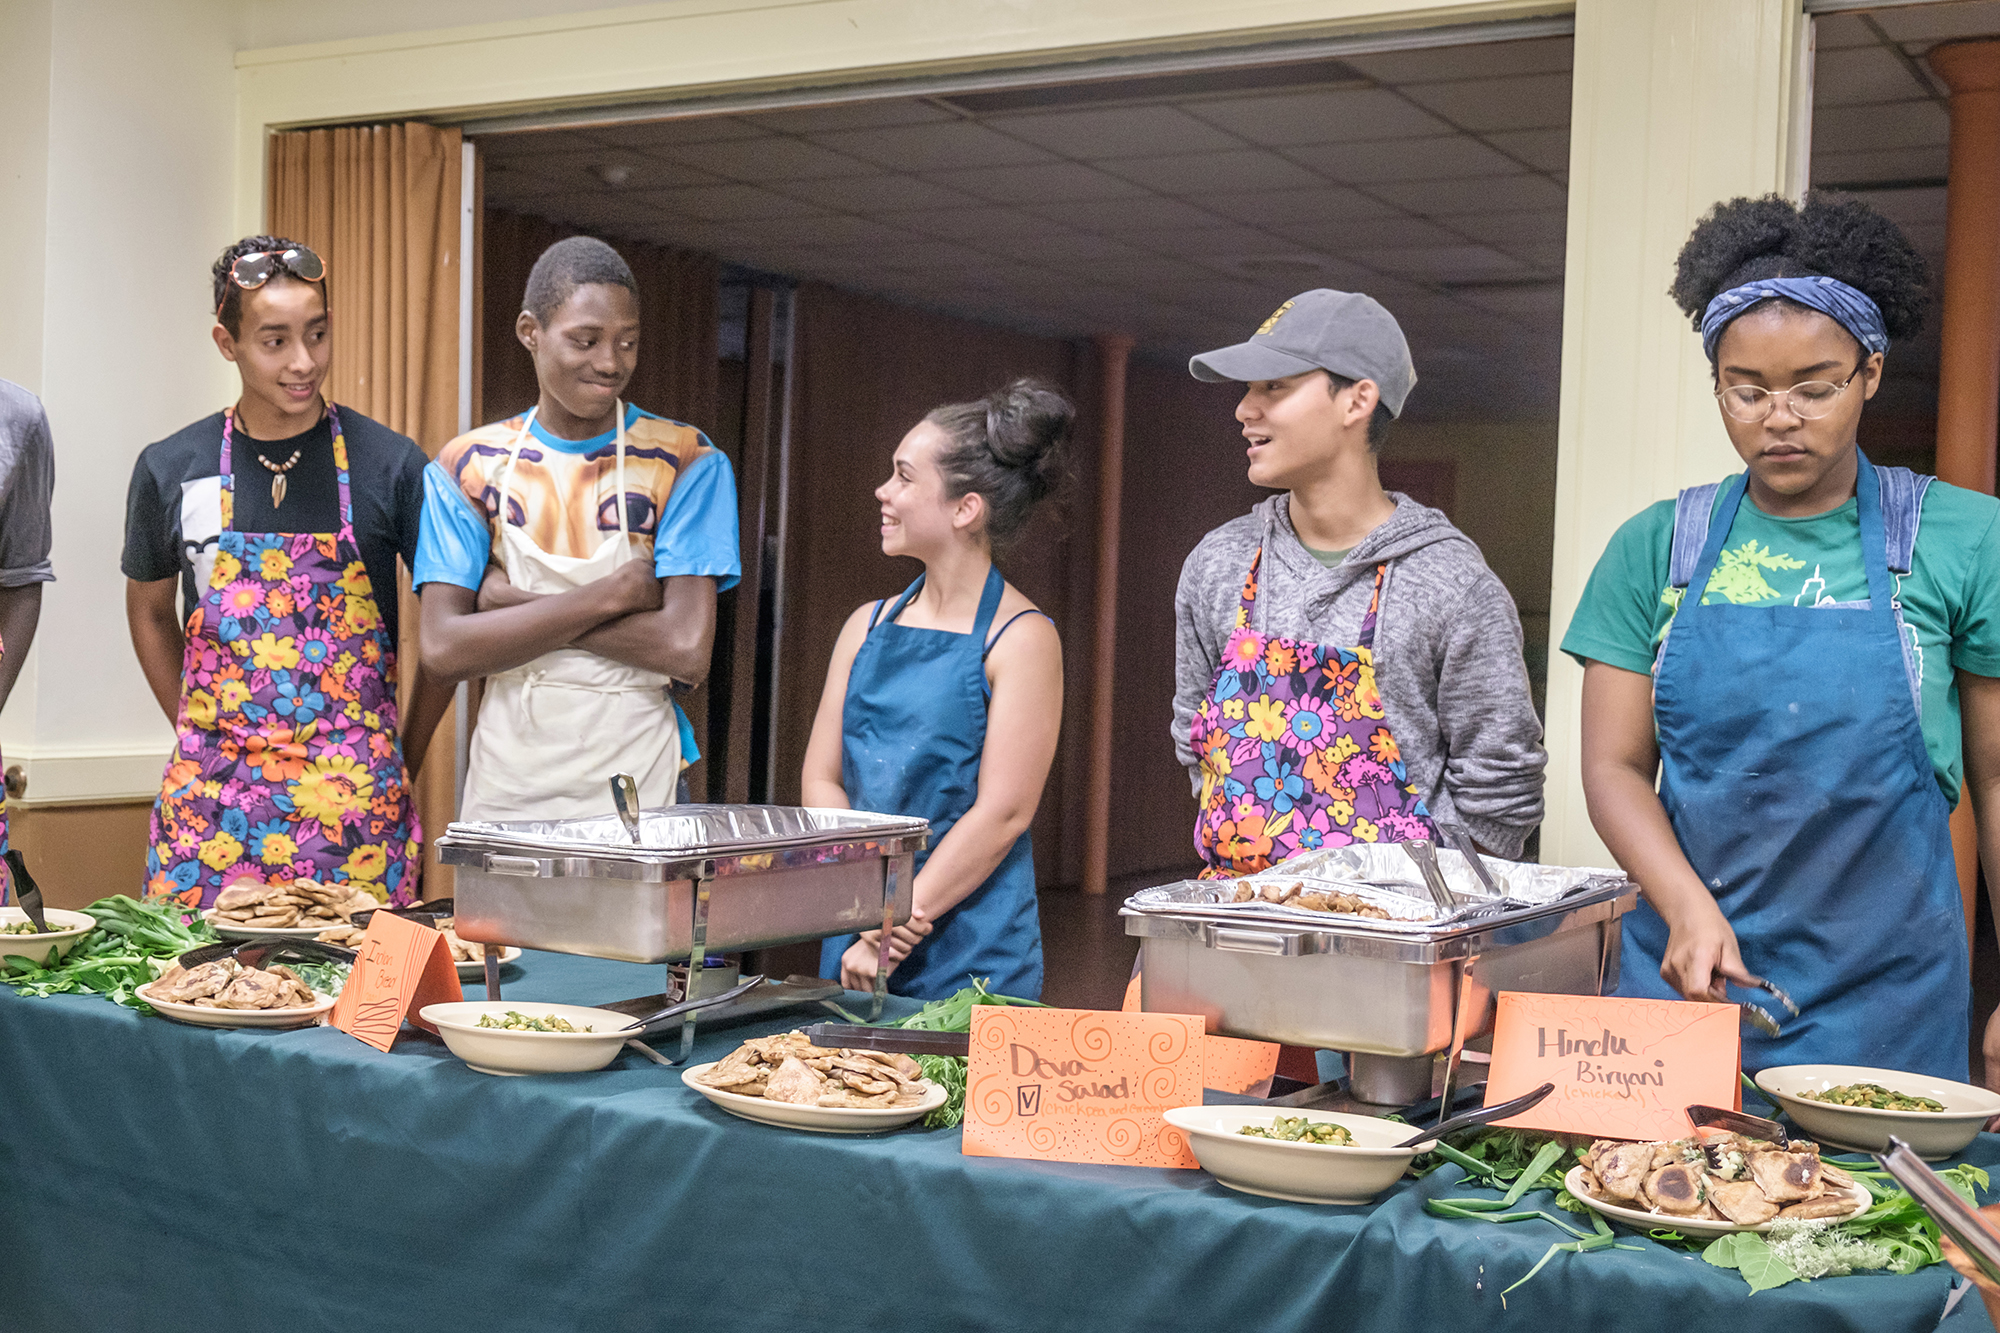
x=553, y=731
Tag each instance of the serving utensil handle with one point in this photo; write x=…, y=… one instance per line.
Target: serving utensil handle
x=625, y=796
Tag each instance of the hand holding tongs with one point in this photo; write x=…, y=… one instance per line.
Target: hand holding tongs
x=1757, y=1016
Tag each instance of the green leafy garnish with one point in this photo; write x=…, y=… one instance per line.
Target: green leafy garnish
x=132, y=944
x=953, y=1014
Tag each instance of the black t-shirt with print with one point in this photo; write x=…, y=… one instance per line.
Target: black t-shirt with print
x=172, y=511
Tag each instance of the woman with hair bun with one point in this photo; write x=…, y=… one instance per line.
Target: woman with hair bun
x=945, y=702
x=1810, y=715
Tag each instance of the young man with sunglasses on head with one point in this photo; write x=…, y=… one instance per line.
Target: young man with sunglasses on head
x=260, y=548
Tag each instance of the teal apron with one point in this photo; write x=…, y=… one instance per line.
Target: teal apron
x=912, y=729
x=1793, y=770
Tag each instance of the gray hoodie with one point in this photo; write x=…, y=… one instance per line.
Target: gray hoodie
x=1447, y=652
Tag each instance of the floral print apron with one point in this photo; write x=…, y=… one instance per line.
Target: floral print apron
x=287, y=763
x=1294, y=751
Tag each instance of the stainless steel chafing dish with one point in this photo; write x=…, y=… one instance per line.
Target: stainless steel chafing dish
x=682, y=881
x=1389, y=992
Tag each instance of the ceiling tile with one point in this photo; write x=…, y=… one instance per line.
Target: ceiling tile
x=925, y=252
x=1891, y=125
x=1527, y=102
x=728, y=203
x=826, y=230
x=1511, y=231
x=1333, y=116
x=1046, y=181
x=1269, y=207
x=854, y=116
x=1832, y=32
x=1139, y=213
x=879, y=193
x=1451, y=157
x=1936, y=23
x=937, y=147
x=1488, y=194
x=1441, y=261
x=1206, y=243
x=1541, y=304
x=1543, y=55
x=1861, y=76
x=1909, y=207
x=1296, y=269
x=539, y=143
x=1368, y=233
x=1130, y=131
x=661, y=133
x=1206, y=173
x=774, y=159
x=1063, y=247
x=571, y=174
x=969, y=223
x=1544, y=150
x=1832, y=170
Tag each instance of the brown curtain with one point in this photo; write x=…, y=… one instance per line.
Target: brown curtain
x=380, y=203
x=678, y=293
x=866, y=372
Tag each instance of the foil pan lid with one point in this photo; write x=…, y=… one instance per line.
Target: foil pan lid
x=1383, y=876
x=688, y=831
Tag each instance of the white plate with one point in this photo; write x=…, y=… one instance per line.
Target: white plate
x=1298, y=1172
x=1700, y=1228
x=1932, y=1134
x=202, y=1016
x=65, y=929
x=507, y=1051
x=819, y=1119
x=236, y=930
x=475, y=968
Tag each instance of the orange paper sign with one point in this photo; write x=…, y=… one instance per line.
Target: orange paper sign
x=401, y=967
x=1080, y=1085
x=1228, y=1064
x=1623, y=1068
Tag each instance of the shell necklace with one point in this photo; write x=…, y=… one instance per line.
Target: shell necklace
x=278, y=471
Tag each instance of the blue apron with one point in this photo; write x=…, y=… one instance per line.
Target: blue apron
x=912, y=729
x=1793, y=770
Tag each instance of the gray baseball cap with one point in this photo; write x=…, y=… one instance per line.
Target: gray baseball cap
x=1344, y=332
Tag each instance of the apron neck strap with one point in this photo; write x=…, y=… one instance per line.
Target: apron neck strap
x=228, y=477
x=521, y=438
x=989, y=604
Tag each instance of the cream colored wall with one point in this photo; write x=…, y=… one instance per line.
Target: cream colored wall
x=1677, y=104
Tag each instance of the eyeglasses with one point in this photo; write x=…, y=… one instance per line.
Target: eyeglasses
x=254, y=270
x=1809, y=401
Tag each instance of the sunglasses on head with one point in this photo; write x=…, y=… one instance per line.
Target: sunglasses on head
x=254, y=270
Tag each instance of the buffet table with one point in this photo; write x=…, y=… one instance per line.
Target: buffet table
x=161, y=1177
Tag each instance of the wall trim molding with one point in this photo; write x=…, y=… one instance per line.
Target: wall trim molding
x=85, y=776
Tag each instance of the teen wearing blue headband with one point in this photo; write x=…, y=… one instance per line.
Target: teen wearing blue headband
x=1809, y=717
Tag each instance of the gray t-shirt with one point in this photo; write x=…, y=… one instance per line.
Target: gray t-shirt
x=27, y=480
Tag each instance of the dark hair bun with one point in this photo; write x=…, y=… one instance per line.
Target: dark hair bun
x=1008, y=447
x=1745, y=240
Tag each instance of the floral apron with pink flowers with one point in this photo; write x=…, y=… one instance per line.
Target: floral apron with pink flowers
x=1294, y=751
x=287, y=763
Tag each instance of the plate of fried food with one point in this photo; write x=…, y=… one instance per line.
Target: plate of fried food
x=226, y=994
x=1714, y=1184
x=287, y=909
x=469, y=959
x=789, y=1082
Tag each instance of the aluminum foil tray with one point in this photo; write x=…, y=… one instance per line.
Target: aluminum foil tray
x=688, y=832
x=1529, y=888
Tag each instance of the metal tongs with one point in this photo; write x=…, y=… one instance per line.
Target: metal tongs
x=1424, y=854
x=1757, y=1016
x=908, y=1041
x=27, y=894
x=1460, y=839
x=1751, y=1126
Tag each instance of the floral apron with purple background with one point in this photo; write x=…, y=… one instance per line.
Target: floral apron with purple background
x=1294, y=752
x=287, y=763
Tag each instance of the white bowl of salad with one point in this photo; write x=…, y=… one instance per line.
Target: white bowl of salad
x=1307, y=1157
x=18, y=940
x=1854, y=1106
x=528, y=1037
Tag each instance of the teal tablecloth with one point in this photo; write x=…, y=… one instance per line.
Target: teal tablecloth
x=157, y=1178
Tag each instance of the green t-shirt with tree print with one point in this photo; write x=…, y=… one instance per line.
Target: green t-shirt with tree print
x=1951, y=596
